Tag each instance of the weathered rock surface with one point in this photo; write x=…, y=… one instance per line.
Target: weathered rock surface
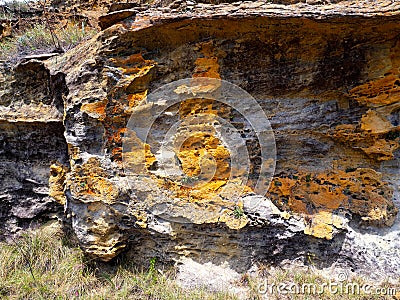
x=327, y=77
x=32, y=139
x=113, y=17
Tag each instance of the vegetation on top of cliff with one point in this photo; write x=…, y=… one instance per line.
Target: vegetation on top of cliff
x=47, y=264
x=29, y=28
x=38, y=39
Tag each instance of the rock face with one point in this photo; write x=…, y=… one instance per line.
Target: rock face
x=327, y=80
x=32, y=140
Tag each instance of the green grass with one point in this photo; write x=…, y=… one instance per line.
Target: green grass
x=310, y=286
x=13, y=8
x=39, y=39
x=45, y=264
x=48, y=264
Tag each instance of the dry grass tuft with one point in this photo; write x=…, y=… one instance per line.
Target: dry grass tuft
x=45, y=264
x=39, y=39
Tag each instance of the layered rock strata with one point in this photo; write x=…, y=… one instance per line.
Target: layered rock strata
x=327, y=78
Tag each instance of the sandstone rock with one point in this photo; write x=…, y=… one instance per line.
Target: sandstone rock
x=327, y=175
x=40, y=56
x=31, y=138
x=326, y=78
x=113, y=17
x=117, y=6
x=5, y=28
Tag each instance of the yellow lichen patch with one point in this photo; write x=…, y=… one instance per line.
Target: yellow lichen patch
x=96, y=109
x=385, y=88
x=369, y=136
x=203, y=157
x=374, y=123
x=382, y=91
x=97, y=188
x=139, y=81
x=130, y=90
x=382, y=149
x=196, y=106
x=218, y=192
x=132, y=60
x=284, y=186
x=137, y=71
x=324, y=197
x=57, y=182
x=299, y=192
x=134, y=99
x=233, y=221
x=359, y=191
x=322, y=225
x=208, y=65
x=201, y=154
x=90, y=183
x=137, y=157
x=74, y=152
x=202, y=192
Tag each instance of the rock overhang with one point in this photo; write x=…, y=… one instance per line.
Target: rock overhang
x=313, y=71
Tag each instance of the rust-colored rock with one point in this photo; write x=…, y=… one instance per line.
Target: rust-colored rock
x=327, y=78
x=111, y=18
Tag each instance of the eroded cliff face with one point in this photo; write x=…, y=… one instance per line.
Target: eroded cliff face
x=32, y=140
x=327, y=78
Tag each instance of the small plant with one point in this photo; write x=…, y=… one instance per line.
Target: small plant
x=11, y=9
x=310, y=258
x=152, y=272
x=238, y=212
x=4, y=15
x=308, y=177
x=189, y=180
x=152, y=265
x=347, y=191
